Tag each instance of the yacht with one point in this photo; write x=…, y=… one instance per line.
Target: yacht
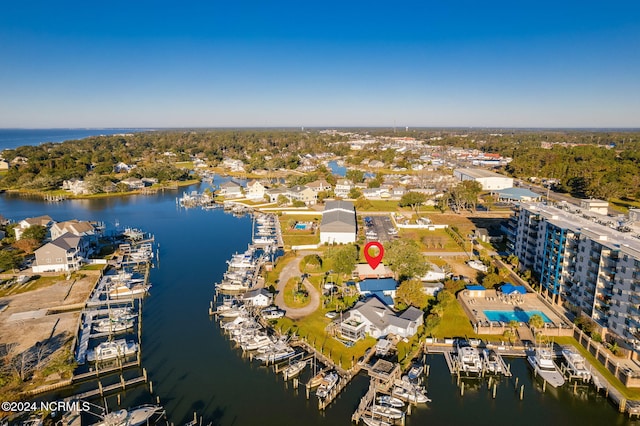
x=386, y=412
x=469, y=359
x=256, y=342
x=492, y=361
x=542, y=363
x=328, y=383
x=112, y=326
x=133, y=417
x=415, y=372
x=576, y=363
x=412, y=393
x=390, y=401
x=372, y=421
x=111, y=350
x=293, y=369
x=122, y=291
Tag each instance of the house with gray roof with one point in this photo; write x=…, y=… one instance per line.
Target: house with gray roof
x=338, y=224
x=373, y=317
x=62, y=254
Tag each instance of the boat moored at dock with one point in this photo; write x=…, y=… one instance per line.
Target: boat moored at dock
x=576, y=364
x=542, y=363
x=112, y=350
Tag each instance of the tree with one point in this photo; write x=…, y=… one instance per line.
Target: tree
x=344, y=258
x=536, y=322
x=412, y=199
x=35, y=232
x=355, y=193
x=8, y=260
x=491, y=280
x=411, y=293
x=404, y=259
x=356, y=176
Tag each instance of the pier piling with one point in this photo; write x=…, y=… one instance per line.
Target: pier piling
x=521, y=392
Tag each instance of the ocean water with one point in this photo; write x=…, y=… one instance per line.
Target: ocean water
x=13, y=138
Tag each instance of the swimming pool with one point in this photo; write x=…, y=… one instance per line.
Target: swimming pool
x=520, y=316
x=301, y=226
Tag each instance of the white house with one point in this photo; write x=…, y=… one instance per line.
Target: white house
x=256, y=190
x=231, y=189
x=45, y=221
x=343, y=187
x=338, y=223
x=374, y=318
x=258, y=297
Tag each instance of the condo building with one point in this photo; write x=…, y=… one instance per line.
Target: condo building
x=587, y=261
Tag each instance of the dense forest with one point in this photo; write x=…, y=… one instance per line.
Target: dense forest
x=584, y=163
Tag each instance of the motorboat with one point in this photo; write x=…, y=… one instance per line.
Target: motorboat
x=122, y=291
x=469, y=359
x=477, y=265
x=294, y=369
x=328, y=383
x=386, y=412
x=492, y=361
x=111, y=326
x=232, y=286
x=317, y=379
x=133, y=417
x=577, y=364
x=413, y=393
x=415, y=372
x=372, y=421
x=390, y=401
x=542, y=363
x=112, y=350
x=256, y=342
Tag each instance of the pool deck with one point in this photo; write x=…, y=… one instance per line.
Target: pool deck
x=474, y=307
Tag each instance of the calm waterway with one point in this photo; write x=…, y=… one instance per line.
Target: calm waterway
x=194, y=368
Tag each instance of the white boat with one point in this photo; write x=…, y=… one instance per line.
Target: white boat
x=542, y=363
x=492, y=361
x=328, y=383
x=390, y=401
x=372, y=421
x=256, y=342
x=112, y=350
x=122, y=291
x=118, y=314
x=415, y=372
x=133, y=417
x=294, y=369
x=231, y=286
x=577, y=364
x=111, y=326
x=469, y=359
x=386, y=412
x=411, y=393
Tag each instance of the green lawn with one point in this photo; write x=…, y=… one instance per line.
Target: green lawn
x=454, y=323
x=292, y=298
x=312, y=329
x=436, y=240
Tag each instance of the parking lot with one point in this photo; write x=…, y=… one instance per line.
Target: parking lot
x=379, y=228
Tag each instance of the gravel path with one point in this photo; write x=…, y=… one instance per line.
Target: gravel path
x=292, y=270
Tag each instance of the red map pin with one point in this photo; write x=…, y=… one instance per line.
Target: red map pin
x=373, y=261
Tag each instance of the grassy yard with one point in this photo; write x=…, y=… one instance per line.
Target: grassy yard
x=454, y=323
x=294, y=237
x=436, y=240
x=292, y=297
x=41, y=282
x=313, y=330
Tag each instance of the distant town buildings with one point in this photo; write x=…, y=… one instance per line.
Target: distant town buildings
x=489, y=180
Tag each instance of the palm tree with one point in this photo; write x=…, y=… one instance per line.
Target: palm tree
x=536, y=322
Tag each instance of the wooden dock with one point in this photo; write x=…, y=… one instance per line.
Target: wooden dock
x=101, y=390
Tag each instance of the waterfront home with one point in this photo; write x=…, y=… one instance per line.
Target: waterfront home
x=81, y=228
x=76, y=186
x=384, y=289
x=338, y=224
x=274, y=193
x=122, y=167
x=62, y=254
x=22, y=226
x=133, y=183
x=231, y=189
x=258, y=297
x=233, y=165
x=256, y=190
x=374, y=318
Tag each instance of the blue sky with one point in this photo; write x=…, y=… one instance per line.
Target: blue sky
x=319, y=63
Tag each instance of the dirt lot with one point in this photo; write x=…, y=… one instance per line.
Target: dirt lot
x=31, y=317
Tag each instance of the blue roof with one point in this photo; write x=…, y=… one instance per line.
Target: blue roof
x=387, y=300
x=382, y=284
x=510, y=288
x=475, y=287
x=516, y=193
